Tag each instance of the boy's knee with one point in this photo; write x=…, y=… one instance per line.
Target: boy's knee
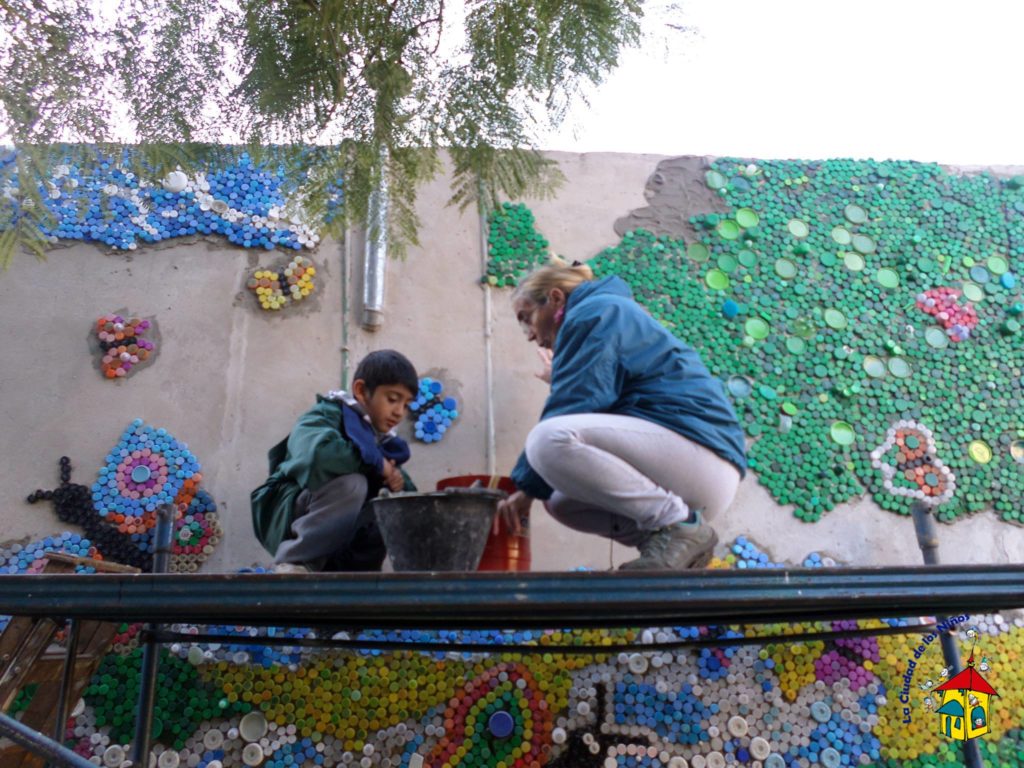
x=354, y=486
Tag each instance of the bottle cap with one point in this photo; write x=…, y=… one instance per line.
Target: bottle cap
x=501, y=724
x=728, y=229
x=747, y=217
x=798, y=228
x=855, y=214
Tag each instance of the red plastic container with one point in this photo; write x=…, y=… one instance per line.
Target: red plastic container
x=503, y=551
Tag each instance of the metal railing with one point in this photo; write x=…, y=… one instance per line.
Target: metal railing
x=499, y=601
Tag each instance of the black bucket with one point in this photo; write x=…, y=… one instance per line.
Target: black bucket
x=443, y=531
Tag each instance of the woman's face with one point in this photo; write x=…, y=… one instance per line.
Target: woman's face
x=538, y=319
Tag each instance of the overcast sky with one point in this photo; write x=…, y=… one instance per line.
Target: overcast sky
x=904, y=79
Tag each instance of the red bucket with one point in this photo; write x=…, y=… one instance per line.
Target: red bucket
x=503, y=551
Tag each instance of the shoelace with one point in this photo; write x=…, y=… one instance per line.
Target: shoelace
x=656, y=543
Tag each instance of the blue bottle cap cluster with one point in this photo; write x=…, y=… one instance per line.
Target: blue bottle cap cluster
x=434, y=412
x=99, y=198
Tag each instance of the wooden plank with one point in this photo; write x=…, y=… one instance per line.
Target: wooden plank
x=101, y=566
x=27, y=657
x=18, y=667
x=13, y=636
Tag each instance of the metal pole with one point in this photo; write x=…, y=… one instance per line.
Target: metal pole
x=928, y=541
x=428, y=600
x=66, y=681
x=490, y=451
x=346, y=258
x=38, y=744
x=151, y=652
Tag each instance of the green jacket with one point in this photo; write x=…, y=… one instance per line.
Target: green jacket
x=314, y=453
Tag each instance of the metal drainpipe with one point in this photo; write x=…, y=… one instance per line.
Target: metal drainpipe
x=346, y=259
x=376, y=257
x=491, y=446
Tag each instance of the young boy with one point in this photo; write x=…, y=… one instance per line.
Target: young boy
x=311, y=513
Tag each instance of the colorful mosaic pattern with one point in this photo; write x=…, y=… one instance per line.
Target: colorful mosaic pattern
x=284, y=287
x=786, y=703
x=944, y=305
x=839, y=297
x=122, y=345
x=118, y=514
x=107, y=200
x=910, y=467
x=147, y=468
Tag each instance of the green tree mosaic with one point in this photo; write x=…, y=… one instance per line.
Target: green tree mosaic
x=513, y=243
x=183, y=698
x=802, y=296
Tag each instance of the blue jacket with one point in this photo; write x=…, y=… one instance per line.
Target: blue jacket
x=613, y=357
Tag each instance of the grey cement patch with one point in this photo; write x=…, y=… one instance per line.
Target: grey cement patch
x=674, y=191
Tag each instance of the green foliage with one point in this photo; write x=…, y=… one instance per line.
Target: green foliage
x=542, y=48
x=387, y=85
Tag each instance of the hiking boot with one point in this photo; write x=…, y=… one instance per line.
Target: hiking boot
x=291, y=568
x=675, y=547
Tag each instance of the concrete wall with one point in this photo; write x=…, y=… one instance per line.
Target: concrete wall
x=230, y=379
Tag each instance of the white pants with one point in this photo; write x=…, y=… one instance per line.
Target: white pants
x=620, y=477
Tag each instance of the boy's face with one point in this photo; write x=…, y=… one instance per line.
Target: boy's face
x=386, y=405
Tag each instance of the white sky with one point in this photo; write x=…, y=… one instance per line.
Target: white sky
x=903, y=79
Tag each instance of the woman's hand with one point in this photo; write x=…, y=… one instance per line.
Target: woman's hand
x=545, y=356
x=512, y=510
x=392, y=476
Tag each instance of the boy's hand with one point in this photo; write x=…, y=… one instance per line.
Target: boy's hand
x=512, y=510
x=392, y=476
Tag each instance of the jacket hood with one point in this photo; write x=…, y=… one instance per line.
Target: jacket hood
x=611, y=286
x=346, y=398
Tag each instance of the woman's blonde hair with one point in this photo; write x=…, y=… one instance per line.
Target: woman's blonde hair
x=557, y=273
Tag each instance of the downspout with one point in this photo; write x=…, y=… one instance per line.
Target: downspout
x=346, y=259
x=376, y=257
x=491, y=447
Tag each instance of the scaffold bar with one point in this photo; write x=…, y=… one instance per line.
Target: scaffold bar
x=519, y=600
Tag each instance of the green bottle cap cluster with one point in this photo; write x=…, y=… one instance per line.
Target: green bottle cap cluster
x=805, y=284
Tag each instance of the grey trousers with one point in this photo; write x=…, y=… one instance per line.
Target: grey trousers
x=334, y=529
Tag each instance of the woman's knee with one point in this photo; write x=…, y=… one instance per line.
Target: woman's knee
x=547, y=440
x=725, y=487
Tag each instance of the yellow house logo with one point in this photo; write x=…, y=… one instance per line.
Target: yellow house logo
x=964, y=704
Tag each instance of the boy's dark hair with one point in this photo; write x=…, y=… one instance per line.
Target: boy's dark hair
x=386, y=366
